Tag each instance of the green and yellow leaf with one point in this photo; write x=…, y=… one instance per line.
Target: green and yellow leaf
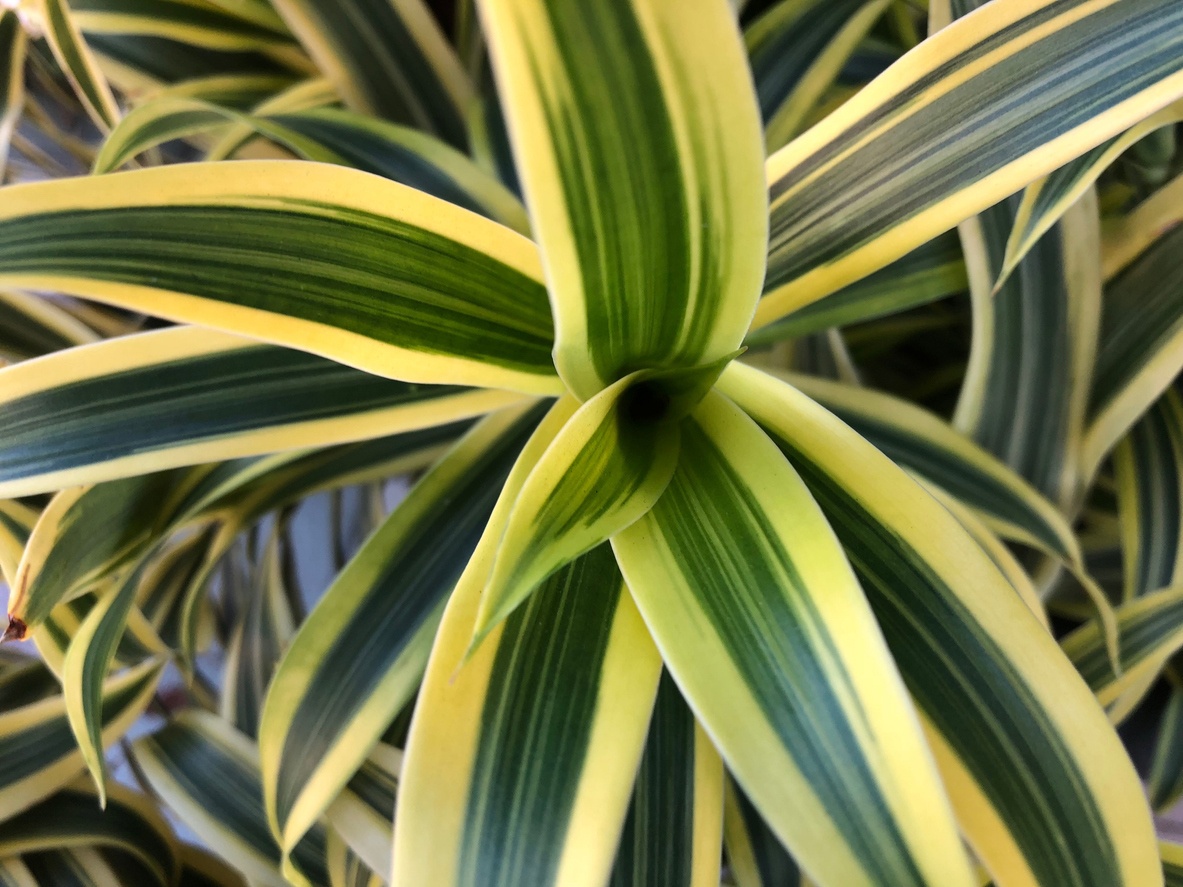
x=652, y=223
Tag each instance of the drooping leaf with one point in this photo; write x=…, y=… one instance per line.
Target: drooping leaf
x=1010, y=721
x=765, y=629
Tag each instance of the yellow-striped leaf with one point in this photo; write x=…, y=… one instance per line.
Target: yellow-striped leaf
x=178, y=396
x=756, y=855
x=1034, y=345
x=38, y=751
x=1010, y=721
x=1141, y=345
x=1172, y=863
x=389, y=58
x=319, y=258
x=78, y=63
x=637, y=139
x=185, y=21
x=1044, y=201
x=326, y=707
x=673, y=833
x=983, y=107
x=520, y=762
x=605, y=467
x=928, y=273
x=766, y=631
x=208, y=774
x=31, y=326
x=1148, y=466
x=797, y=49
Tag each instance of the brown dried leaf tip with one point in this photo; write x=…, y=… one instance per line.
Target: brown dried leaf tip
x=16, y=629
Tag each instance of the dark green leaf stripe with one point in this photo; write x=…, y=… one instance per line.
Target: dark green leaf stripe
x=335, y=467
x=795, y=685
x=58, y=868
x=311, y=261
x=77, y=63
x=928, y=146
x=930, y=272
x=401, y=155
x=30, y=327
x=392, y=65
x=43, y=742
x=782, y=55
x=23, y=680
x=177, y=402
x=1164, y=782
x=973, y=476
x=421, y=564
x=73, y=818
x=533, y=743
x=1142, y=315
x=677, y=216
x=1028, y=374
x=976, y=700
x=106, y=526
x=376, y=787
x=170, y=61
x=1149, y=463
x=657, y=845
x=198, y=24
x=774, y=865
x=187, y=763
x=1150, y=628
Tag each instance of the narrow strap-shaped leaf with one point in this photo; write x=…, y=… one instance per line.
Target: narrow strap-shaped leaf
x=673, y=833
x=1044, y=201
x=1151, y=631
x=240, y=91
x=1164, y=782
x=31, y=326
x=1140, y=349
x=797, y=49
x=520, y=762
x=756, y=856
x=88, y=659
x=1002, y=556
x=83, y=867
x=386, y=57
x=184, y=395
x=761, y=622
x=16, y=523
x=38, y=752
x=198, y=24
x=262, y=634
x=346, y=868
x=78, y=63
x=363, y=813
x=605, y=468
x=130, y=823
x=13, y=46
x=1129, y=236
x=928, y=273
x=327, y=135
x=208, y=774
x=1053, y=78
x=86, y=534
x=651, y=221
x=1034, y=345
x=927, y=444
x=1011, y=722
x=316, y=257
x=316, y=92
x=326, y=706
x=1148, y=465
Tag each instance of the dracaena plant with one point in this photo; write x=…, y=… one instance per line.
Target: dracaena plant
x=654, y=581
